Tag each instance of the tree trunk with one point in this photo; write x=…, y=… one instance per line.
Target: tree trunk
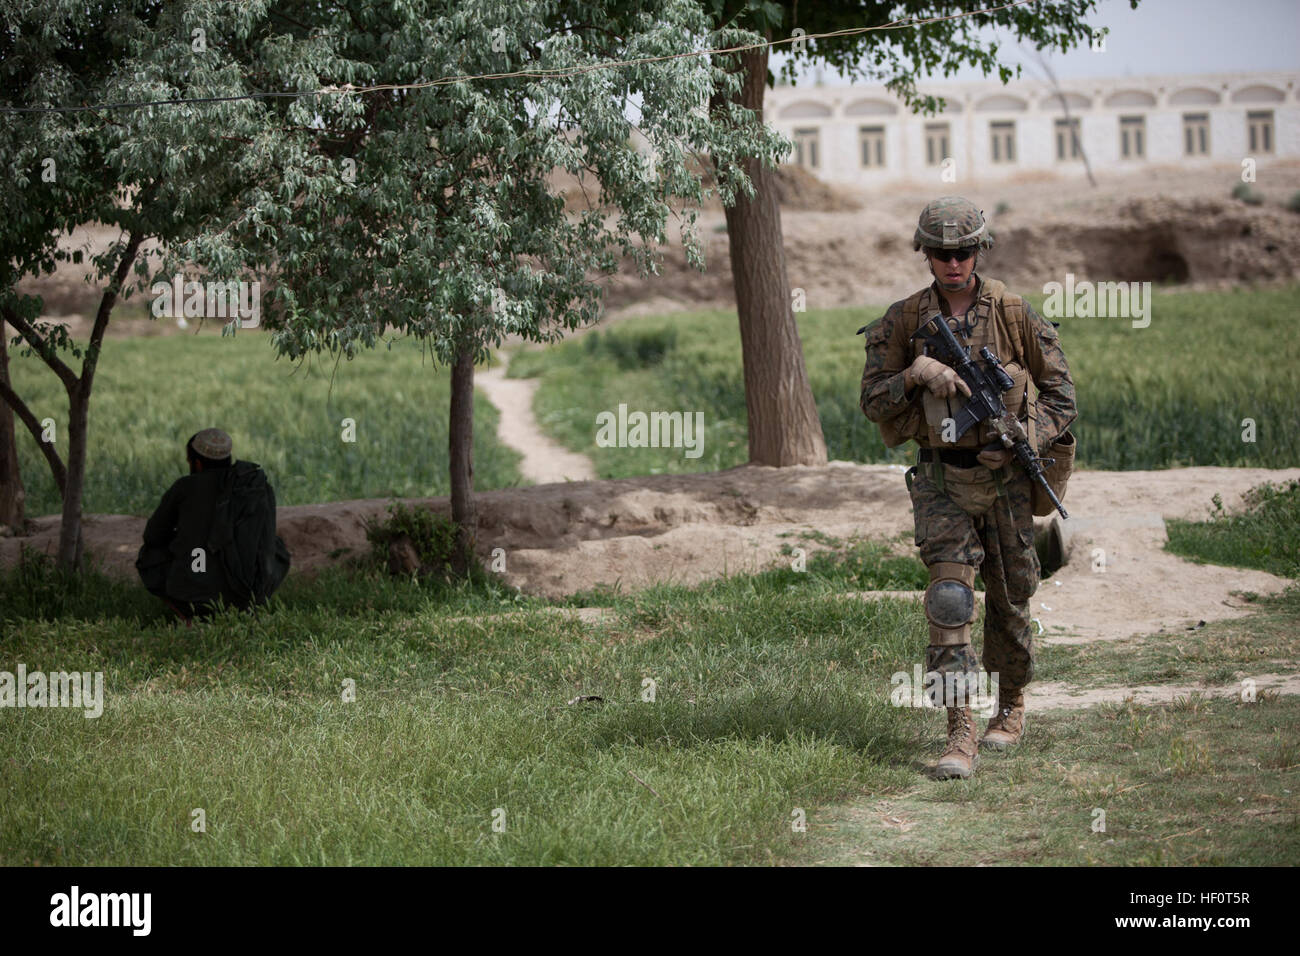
x=70, y=540
x=461, y=448
x=13, y=403
x=13, y=496
x=783, y=425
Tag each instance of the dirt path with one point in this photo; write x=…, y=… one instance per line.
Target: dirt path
x=545, y=460
x=1058, y=695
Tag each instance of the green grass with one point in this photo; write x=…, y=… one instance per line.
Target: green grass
x=666, y=364
x=1195, y=783
x=771, y=695
x=1265, y=535
x=151, y=394
x=1175, y=393
x=460, y=709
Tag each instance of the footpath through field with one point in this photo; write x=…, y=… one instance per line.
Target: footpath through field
x=544, y=459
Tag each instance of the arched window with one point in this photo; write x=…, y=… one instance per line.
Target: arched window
x=1194, y=96
x=805, y=109
x=1258, y=93
x=871, y=107
x=1130, y=98
x=1002, y=103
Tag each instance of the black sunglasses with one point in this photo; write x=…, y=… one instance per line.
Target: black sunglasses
x=947, y=255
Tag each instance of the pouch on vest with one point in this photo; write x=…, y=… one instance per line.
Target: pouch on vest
x=1057, y=473
x=903, y=428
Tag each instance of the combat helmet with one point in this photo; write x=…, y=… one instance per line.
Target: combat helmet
x=951, y=222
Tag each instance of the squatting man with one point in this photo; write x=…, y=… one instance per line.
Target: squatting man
x=211, y=541
x=973, y=504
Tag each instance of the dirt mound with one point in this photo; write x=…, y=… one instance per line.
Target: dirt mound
x=631, y=533
x=798, y=189
x=1173, y=226
x=1159, y=239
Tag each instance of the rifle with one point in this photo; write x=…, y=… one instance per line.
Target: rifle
x=985, y=403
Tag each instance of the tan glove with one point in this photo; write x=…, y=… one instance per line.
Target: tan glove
x=937, y=377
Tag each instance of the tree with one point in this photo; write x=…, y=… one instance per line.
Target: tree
x=12, y=493
x=426, y=211
x=783, y=425
x=52, y=177
x=165, y=174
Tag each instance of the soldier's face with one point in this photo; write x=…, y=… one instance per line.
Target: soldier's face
x=953, y=275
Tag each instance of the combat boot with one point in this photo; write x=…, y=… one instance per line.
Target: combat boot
x=962, y=756
x=1008, y=724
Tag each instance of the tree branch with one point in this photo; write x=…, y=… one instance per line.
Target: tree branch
x=41, y=345
x=20, y=408
x=109, y=299
x=106, y=303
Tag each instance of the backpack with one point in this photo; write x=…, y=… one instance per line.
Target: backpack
x=243, y=535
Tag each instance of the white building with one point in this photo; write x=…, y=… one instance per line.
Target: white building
x=863, y=135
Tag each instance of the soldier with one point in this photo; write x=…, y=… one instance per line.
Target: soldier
x=971, y=501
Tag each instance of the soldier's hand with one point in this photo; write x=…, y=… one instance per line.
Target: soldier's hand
x=994, y=459
x=937, y=377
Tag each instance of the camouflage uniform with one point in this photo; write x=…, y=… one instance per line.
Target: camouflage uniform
x=973, y=516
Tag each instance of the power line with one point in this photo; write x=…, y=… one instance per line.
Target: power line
x=348, y=88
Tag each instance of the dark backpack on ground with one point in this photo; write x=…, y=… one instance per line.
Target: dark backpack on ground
x=243, y=535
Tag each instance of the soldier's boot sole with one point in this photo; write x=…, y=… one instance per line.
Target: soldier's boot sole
x=999, y=743
x=1001, y=740
x=956, y=767
x=1007, y=727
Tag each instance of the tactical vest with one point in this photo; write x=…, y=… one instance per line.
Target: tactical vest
x=998, y=321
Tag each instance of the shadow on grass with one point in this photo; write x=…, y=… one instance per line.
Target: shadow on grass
x=111, y=620
x=870, y=727
x=36, y=589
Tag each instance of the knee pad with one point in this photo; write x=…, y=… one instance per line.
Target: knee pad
x=950, y=602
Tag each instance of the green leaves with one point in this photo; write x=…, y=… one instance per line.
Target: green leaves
x=448, y=228
x=897, y=57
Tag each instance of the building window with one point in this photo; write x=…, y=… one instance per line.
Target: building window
x=1003, y=136
x=1196, y=134
x=872, y=140
x=1067, y=139
x=1259, y=123
x=805, y=148
x=936, y=143
x=1132, y=137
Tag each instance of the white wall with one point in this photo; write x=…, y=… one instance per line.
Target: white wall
x=969, y=138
